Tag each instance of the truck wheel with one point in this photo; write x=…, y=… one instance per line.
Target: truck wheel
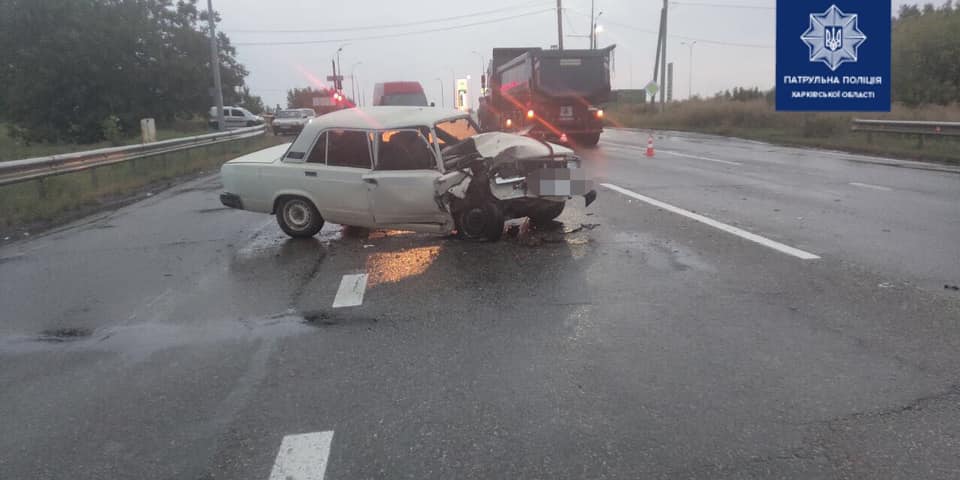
x=547, y=214
x=589, y=139
x=480, y=221
x=298, y=217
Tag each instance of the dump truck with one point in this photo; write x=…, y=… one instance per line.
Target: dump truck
x=549, y=94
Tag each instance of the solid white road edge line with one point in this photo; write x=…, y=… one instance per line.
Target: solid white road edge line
x=715, y=224
x=872, y=187
x=350, y=293
x=303, y=457
x=716, y=160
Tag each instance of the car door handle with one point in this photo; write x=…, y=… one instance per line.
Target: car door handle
x=310, y=174
x=371, y=181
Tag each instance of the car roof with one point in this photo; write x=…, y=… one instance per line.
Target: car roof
x=378, y=118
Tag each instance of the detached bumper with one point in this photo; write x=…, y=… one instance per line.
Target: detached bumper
x=231, y=200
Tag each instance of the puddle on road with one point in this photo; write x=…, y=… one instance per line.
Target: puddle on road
x=140, y=341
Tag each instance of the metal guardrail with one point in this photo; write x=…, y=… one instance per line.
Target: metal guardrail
x=15, y=171
x=906, y=127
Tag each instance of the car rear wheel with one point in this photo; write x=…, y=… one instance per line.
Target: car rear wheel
x=298, y=217
x=480, y=221
x=547, y=214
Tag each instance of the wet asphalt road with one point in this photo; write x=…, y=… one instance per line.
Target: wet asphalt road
x=174, y=339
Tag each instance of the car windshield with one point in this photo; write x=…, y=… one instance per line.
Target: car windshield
x=417, y=99
x=289, y=114
x=454, y=131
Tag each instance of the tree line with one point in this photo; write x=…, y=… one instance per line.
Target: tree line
x=83, y=70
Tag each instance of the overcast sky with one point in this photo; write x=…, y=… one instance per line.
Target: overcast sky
x=734, y=44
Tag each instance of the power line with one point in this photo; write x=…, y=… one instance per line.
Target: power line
x=398, y=25
x=724, y=5
x=681, y=37
x=394, y=35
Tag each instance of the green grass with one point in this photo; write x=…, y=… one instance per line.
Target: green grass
x=40, y=203
x=12, y=149
x=757, y=120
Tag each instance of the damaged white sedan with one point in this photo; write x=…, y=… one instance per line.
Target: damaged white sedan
x=407, y=168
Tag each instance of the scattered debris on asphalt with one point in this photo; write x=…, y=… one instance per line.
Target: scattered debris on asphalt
x=60, y=335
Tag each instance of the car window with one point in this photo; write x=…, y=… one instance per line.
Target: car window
x=237, y=113
x=455, y=131
x=319, y=152
x=348, y=148
x=404, y=150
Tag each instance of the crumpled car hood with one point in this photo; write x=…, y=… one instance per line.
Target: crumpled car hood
x=507, y=147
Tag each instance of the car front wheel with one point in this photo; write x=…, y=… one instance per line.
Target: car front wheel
x=480, y=221
x=299, y=218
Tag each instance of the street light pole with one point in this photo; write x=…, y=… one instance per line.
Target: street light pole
x=443, y=96
x=215, y=66
x=353, y=83
x=338, y=81
x=690, y=83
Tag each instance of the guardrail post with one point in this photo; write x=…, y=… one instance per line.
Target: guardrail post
x=869, y=137
x=42, y=188
x=920, y=142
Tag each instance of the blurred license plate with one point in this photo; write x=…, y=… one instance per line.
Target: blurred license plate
x=566, y=113
x=558, y=182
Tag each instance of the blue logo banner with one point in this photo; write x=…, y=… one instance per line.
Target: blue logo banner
x=833, y=55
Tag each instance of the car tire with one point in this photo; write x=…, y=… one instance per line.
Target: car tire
x=480, y=221
x=298, y=217
x=547, y=214
x=588, y=139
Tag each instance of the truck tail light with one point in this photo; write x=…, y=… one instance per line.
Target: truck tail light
x=599, y=113
x=509, y=123
x=530, y=114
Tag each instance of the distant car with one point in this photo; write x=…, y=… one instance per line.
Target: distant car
x=234, y=117
x=410, y=168
x=292, y=121
x=399, y=94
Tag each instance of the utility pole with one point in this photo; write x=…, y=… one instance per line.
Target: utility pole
x=663, y=58
x=560, y=24
x=443, y=96
x=215, y=66
x=339, y=80
x=333, y=65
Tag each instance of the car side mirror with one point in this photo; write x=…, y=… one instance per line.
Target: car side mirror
x=433, y=104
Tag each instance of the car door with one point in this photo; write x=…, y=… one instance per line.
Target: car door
x=237, y=119
x=401, y=188
x=333, y=175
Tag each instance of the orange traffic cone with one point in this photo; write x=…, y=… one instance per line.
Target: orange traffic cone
x=650, y=152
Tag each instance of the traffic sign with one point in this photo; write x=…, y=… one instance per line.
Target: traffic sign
x=652, y=88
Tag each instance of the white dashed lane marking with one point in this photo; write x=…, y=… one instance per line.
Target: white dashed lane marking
x=350, y=293
x=872, y=187
x=766, y=242
x=302, y=457
x=698, y=157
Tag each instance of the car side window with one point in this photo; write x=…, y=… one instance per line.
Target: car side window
x=319, y=152
x=348, y=148
x=237, y=113
x=404, y=150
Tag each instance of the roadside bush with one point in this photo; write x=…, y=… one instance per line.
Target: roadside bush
x=112, y=130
